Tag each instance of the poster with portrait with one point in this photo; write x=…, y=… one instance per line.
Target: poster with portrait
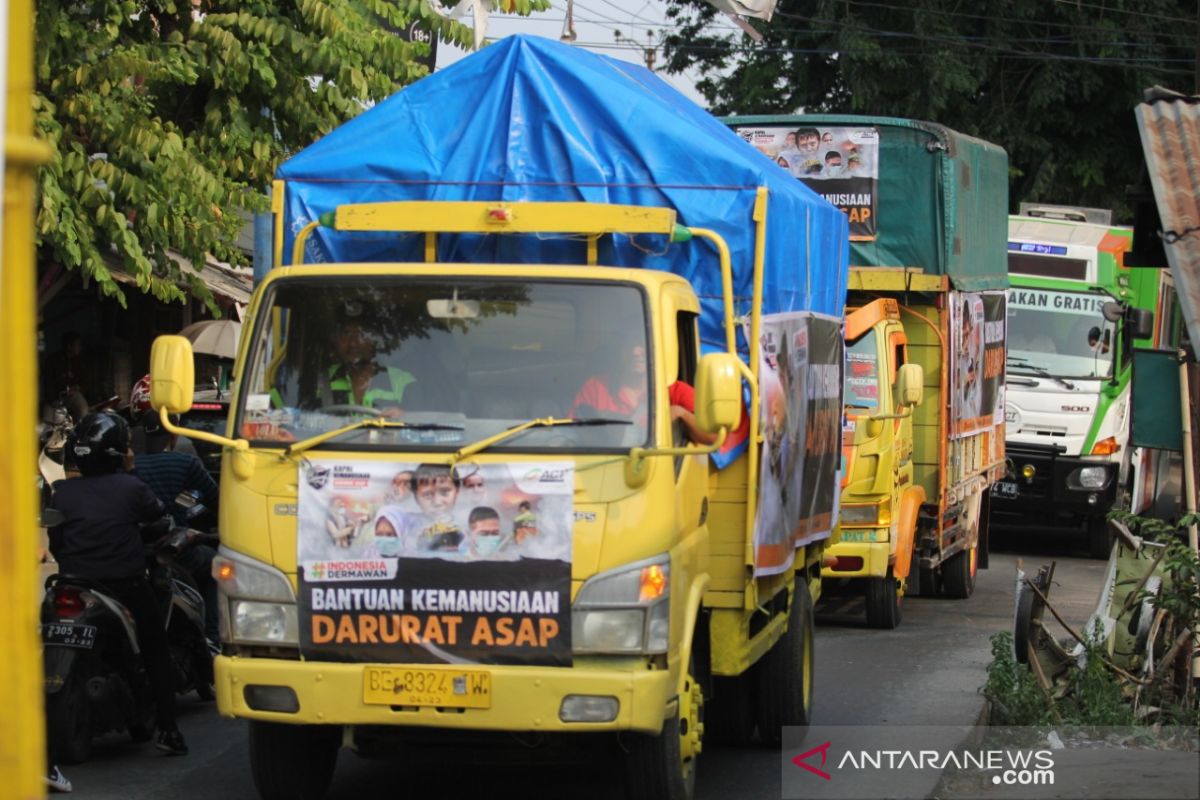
x=977, y=334
x=800, y=385
x=421, y=563
x=839, y=163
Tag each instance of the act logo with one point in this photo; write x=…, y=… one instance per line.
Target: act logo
x=823, y=750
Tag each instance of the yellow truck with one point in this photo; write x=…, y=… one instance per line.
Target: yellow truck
x=462, y=480
x=923, y=436
x=22, y=757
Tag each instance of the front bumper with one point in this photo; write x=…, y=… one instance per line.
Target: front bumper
x=523, y=698
x=1051, y=490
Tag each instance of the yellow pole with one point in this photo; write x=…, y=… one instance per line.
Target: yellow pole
x=22, y=745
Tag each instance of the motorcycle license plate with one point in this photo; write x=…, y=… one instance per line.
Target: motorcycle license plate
x=442, y=687
x=1004, y=489
x=68, y=634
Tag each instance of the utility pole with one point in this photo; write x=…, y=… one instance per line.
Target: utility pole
x=649, y=51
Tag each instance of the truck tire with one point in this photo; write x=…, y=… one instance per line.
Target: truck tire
x=883, y=601
x=958, y=574
x=783, y=676
x=663, y=766
x=293, y=762
x=1100, y=538
x=927, y=582
x=729, y=715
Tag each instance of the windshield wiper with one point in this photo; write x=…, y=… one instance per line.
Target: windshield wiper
x=542, y=422
x=370, y=422
x=1041, y=372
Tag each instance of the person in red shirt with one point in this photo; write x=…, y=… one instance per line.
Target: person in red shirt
x=625, y=395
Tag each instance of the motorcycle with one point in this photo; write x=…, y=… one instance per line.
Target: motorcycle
x=95, y=679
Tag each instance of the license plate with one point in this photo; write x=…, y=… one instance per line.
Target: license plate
x=442, y=687
x=83, y=636
x=1004, y=489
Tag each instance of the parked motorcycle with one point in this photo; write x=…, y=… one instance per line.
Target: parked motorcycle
x=95, y=679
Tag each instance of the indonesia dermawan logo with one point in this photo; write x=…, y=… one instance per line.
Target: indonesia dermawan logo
x=359, y=569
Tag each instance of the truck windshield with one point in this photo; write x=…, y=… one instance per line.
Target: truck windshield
x=1063, y=334
x=457, y=360
x=862, y=373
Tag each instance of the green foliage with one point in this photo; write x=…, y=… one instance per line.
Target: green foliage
x=1095, y=695
x=167, y=118
x=1011, y=689
x=1054, y=83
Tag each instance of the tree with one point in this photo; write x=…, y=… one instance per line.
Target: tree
x=168, y=117
x=1053, y=82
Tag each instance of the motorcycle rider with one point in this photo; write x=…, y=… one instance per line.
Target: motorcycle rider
x=169, y=473
x=100, y=538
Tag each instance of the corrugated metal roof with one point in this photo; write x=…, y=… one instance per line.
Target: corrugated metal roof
x=1170, y=128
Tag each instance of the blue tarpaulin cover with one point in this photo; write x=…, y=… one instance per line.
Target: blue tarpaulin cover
x=532, y=119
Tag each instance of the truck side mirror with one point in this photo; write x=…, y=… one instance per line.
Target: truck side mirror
x=718, y=392
x=1140, y=322
x=910, y=385
x=1112, y=310
x=172, y=374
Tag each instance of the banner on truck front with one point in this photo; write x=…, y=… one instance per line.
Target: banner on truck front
x=421, y=563
x=840, y=164
x=977, y=335
x=800, y=385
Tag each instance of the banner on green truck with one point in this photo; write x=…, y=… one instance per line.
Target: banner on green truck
x=800, y=381
x=419, y=563
x=840, y=164
x=977, y=335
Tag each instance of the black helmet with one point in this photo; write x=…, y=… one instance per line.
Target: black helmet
x=100, y=442
x=156, y=435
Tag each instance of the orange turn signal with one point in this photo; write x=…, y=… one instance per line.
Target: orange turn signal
x=653, y=583
x=1106, y=447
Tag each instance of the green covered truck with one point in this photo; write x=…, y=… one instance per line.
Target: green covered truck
x=923, y=429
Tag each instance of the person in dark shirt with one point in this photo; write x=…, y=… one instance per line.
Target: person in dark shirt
x=168, y=474
x=100, y=539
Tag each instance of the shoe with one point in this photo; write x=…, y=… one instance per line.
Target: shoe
x=57, y=781
x=171, y=742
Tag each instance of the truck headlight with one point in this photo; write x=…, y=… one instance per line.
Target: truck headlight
x=256, y=601
x=263, y=623
x=1090, y=478
x=869, y=514
x=626, y=610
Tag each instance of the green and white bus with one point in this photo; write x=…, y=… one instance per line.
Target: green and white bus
x=1075, y=313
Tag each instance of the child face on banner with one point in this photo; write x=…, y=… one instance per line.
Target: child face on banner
x=387, y=538
x=436, y=497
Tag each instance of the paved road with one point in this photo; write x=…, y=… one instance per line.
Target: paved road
x=926, y=672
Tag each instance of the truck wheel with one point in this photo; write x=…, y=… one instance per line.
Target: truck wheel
x=69, y=720
x=293, y=762
x=958, y=574
x=729, y=715
x=1100, y=538
x=883, y=601
x=927, y=581
x=783, y=676
x=664, y=765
